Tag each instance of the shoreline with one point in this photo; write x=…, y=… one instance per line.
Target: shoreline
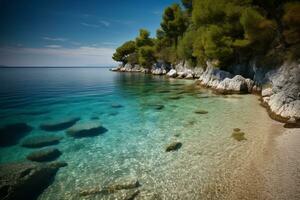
x=247, y=86
x=274, y=172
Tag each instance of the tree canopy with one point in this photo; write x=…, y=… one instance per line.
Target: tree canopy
x=225, y=31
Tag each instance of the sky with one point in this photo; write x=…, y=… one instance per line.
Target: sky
x=72, y=32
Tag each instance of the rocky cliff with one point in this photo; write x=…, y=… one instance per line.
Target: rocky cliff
x=279, y=88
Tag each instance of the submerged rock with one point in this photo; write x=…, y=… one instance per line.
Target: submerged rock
x=202, y=112
x=123, y=183
x=90, y=191
x=87, y=129
x=236, y=130
x=126, y=194
x=58, y=164
x=25, y=180
x=156, y=106
x=163, y=91
x=12, y=133
x=175, y=97
x=173, y=146
x=41, y=141
x=44, y=155
x=115, y=105
x=59, y=125
x=94, y=118
x=113, y=113
x=238, y=135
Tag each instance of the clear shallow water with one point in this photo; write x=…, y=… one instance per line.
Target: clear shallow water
x=208, y=165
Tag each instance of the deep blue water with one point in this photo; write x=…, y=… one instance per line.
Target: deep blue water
x=153, y=111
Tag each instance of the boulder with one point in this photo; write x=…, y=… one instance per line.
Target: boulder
x=173, y=146
x=212, y=76
x=44, y=155
x=158, y=71
x=189, y=76
x=87, y=129
x=59, y=125
x=237, y=84
x=256, y=89
x=12, y=133
x=115, y=69
x=25, y=180
x=250, y=84
x=172, y=73
x=40, y=141
x=266, y=92
x=284, y=100
x=181, y=74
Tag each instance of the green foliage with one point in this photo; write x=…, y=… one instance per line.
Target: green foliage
x=122, y=53
x=188, y=4
x=291, y=32
x=207, y=12
x=144, y=38
x=223, y=31
x=213, y=44
x=185, y=47
x=146, y=56
x=291, y=20
x=257, y=28
x=174, y=23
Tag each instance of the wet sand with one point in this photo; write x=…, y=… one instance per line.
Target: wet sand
x=275, y=173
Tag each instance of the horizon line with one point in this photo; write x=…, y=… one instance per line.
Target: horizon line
x=57, y=66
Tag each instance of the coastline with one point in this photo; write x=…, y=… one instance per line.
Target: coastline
x=279, y=89
x=273, y=172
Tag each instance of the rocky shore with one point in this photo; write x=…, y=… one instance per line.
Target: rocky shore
x=279, y=88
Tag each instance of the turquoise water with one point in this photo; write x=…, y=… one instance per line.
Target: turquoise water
x=206, y=166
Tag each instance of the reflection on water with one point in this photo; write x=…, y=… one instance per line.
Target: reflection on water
x=153, y=112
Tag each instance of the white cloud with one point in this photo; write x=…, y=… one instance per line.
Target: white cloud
x=81, y=56
x=105, y=23
x=55, y=39
x=90, y=25
x=53, y=46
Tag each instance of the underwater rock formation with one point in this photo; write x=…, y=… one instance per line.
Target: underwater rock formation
x=25, y=180
x=173, y=146
x=12, y=133
x=59, y=125
x=44, y=155
x=41, y=141
x=88, y=129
